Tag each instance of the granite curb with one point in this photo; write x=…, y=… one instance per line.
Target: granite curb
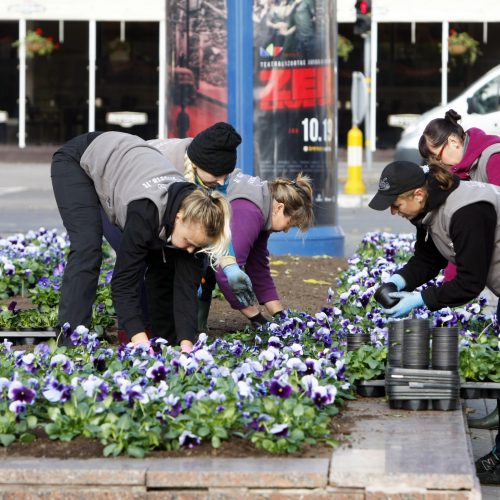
x=390, y=454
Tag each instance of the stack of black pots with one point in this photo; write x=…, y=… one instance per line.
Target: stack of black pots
x=445, y=348
x=410, y=383
x=355, y=340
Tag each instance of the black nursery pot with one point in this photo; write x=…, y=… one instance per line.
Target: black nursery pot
x=381, y=295
x=416, y=343
x=355, y=340
x=395, y=343
x=445, y=348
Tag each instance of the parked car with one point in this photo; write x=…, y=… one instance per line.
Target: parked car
x=479, y=106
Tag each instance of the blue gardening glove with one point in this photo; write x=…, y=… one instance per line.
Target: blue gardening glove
x=408, y=302
x=240, y=284
x=398, y=280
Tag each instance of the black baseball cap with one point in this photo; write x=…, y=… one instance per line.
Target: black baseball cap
x=397, y=178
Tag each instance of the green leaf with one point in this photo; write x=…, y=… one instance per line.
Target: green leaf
x=27, y=438
x=7, y=439
x=298, y=411
x=216, y=442
x=203, y=431
x=110, y=450
x=31, y=421
x=135, y=451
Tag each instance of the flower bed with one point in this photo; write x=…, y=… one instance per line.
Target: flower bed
x=277, y=387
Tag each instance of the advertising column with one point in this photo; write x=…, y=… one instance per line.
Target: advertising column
x=294, y=119
x=197, y=65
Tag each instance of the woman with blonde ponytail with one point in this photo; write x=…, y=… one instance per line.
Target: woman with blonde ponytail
x=167, y=226
x=259, y=208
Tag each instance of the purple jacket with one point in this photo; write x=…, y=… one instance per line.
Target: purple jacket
x=249, y=239
x=477, y=142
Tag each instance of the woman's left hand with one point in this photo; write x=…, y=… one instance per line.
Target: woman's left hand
x=408, y=302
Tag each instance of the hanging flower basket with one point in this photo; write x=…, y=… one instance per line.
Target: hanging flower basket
x=37, y=44
x=464, y=46
x=344, y=47
x=457, y=50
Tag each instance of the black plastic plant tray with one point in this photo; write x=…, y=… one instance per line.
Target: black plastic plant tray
x=398, y=373
x=480, y=390
x=394, y=394
x=424, y=405
x=15, y=334
x=371, y=388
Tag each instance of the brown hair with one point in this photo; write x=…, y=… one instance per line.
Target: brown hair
x=211, y=210
x=296, y=196
x=437, y=131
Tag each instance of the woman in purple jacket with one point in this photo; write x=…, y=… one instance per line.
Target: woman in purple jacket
x=259, y=208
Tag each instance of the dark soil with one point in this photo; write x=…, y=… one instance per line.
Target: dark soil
x=302, y=283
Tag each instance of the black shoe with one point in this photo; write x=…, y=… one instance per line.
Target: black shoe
x=490, y=477
x=489, y=422
x=488, y=464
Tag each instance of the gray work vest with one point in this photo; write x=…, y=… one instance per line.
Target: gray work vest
x=125, y=168
x=173, y=149
x=438, y=221
x=477, y=171
x=253, y=189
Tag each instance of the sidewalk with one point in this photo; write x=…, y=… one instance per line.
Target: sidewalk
x=390, y=454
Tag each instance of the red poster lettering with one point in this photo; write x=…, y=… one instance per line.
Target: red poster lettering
x=295, y=88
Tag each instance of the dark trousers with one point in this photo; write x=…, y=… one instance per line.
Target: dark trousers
x=172, y=278
x=79, y=207
x=113, y=236
x=497, y=439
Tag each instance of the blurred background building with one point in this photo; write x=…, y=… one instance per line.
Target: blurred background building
x=144, y=66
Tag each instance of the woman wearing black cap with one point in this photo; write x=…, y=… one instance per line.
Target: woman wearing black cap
x=456, y=222
x=158, y=213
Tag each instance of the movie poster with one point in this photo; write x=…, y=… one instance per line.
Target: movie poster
x=293, y=95
x=197, y=65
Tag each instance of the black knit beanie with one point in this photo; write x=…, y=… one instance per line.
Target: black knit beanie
x=214, y=149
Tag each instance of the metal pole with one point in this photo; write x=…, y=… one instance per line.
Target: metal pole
x=162, y=87
x=21, y=139
x=367, y=72
x=92, y=68
x=444, y=63
x=373, y=87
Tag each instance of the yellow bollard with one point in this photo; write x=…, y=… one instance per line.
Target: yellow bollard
x=354, y=183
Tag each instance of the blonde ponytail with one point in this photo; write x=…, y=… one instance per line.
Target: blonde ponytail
x=189, y=172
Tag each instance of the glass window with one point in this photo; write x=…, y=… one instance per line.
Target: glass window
x=486, y=99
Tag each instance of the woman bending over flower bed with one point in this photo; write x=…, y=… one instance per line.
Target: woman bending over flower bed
x=259, y=208
x=163, y=219
x=456, y=222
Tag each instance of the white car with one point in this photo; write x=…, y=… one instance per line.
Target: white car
x=479, y=107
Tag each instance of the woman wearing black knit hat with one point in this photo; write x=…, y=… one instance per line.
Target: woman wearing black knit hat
x=207, y=160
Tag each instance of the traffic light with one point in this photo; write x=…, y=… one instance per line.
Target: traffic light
x=363, y=22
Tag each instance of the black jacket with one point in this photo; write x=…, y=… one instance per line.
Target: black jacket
x=472, y=230
x=142, y=248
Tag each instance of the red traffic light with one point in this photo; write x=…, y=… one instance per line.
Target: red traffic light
x=363, y=7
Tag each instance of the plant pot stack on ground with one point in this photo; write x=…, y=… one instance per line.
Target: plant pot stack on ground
x=410, y=384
